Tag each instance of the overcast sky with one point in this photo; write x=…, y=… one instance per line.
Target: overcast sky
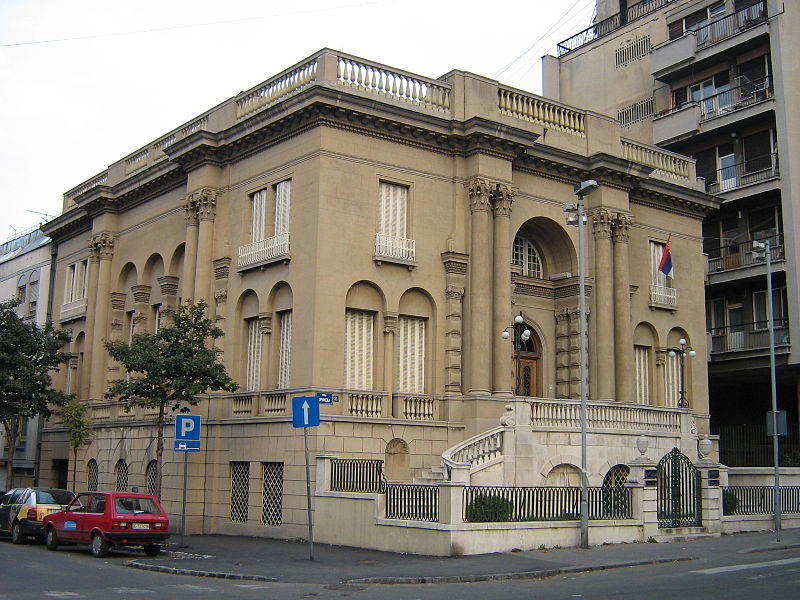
x=85, y=82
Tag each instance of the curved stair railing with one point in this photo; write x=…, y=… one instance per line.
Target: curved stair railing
x=475, y=452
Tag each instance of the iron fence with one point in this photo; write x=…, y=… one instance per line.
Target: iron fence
x=412, y=502
x=759, y=499
x=361, y=475
x=504, y=504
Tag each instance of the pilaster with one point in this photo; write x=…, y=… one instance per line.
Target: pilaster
x=603, y=296
x=502, y=197
x=101, y=251
x=455, y=266
x=623, y=332
x=480, y=285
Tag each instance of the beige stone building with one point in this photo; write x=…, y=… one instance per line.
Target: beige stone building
x=369, y=232
x=716, y=80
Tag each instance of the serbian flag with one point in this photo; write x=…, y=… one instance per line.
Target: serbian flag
x=665, y=266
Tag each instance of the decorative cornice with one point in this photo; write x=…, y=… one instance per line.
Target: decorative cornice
x=101, y=247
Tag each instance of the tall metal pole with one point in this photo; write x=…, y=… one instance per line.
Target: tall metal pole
x=583, y=373
x=774, y=388
x=308, y=498
x=183, y=504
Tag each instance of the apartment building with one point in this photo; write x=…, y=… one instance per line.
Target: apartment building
x=362, y=231
x=716, y=80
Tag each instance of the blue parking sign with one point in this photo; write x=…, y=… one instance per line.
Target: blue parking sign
x=187, y=433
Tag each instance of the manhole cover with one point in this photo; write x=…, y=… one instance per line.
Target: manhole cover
x=344, y=587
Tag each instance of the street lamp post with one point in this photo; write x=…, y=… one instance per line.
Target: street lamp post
x=577, y=217
x=520, y=336
x=682, y=352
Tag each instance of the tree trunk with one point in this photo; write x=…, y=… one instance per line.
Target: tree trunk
x=159, y=448
x=12, y=428
x=74, y=468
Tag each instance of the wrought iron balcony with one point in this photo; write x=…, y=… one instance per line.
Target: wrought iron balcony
x=742, y=255
x=748, y=336
x=395, y=249
x=731, y=25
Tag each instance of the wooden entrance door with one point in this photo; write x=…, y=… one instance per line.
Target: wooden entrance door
x=528, y=382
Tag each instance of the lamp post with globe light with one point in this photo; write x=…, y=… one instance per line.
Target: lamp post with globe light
x=520, y=335
x=682, y=352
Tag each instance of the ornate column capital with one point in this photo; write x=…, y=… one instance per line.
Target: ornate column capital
x=204, y=202
x=480, y=191
x=222, y=268
x=502, y=199
x=118, y=300
x=189, y=212
x=602, y=222
x=622, y=227
x=390, y=321
x=141, y=293
x=265, y=323
x=101, y=247
x=454, y=292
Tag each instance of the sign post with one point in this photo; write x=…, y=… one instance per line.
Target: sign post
x=187, y=439
x=305, y=414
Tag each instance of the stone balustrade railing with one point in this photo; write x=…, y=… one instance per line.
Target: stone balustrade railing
x=668, y=164
x=476, y=450
x=276, y=89
x=609, y=416
x=528, y=107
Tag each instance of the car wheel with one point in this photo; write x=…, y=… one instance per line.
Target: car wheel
x=17, y=537
x=51, y=539
x=152, y=550
x=100, y=545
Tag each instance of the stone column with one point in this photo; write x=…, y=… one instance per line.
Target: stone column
x=602, y=343
x=455, y=266
x=502, y=197
x=480, y=286
x=190, y=254
x=206, y=202
x=222, y=268
x=169, y=294
x=389, y=330
x=623, y=332
x=141, y=304
x=101, y=249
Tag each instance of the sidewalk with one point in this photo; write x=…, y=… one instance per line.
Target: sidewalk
x=288, y=561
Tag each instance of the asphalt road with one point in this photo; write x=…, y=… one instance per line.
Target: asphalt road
x=31, y=572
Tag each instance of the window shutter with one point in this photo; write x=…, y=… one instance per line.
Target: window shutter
x=358, y=350
x=672, y=381
x=253, y=355
x=411, y=355
x=285, y=352
x=642, y=360
x=259, y=212
x=282, y=200
x=656, y=252
x=392, y=210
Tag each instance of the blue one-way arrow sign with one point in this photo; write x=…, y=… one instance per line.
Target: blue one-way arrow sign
x=305, y=411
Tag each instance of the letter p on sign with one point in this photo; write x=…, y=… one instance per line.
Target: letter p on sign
x=187, y=428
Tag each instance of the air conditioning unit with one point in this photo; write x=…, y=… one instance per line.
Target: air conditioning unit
x=560, y=276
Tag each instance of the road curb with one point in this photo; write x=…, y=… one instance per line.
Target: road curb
x=538, y=574
x=135, y=564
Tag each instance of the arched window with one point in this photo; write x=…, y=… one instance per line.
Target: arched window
x=91, y=475
x=526, y=255
x=151, y=475
x=617, y=476
x=616, y=501
x=121, y=475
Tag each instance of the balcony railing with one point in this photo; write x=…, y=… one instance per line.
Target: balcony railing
x=731, y=25
x=609, y=25
x=736, y=98
x=264, y=251
x=663, y=296
x=748, y=336
x=742, y=255
x=744, y=173
x=389, y=247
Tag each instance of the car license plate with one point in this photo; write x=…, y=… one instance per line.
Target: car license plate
x=140, y=526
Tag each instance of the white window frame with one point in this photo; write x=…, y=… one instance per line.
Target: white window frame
x=526, y=255
x=76, y=281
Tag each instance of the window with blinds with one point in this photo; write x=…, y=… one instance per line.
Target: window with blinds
x=657, y=277
x=283, y=192
x=263, y=216
x=285, y=350
x=392, y=210
x=672, y=384
x=641, y=356
x=411, y=355
x=75, y=285
x=253, y=376
x=358, y=349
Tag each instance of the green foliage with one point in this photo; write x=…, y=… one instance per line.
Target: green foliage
x=169, y=369
x=730, y=502
x=73, y=415
x=28, y=354
x=489, y=509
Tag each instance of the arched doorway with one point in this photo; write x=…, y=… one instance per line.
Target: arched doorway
x=527, y=362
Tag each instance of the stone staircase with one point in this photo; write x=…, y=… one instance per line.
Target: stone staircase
x=433, y=476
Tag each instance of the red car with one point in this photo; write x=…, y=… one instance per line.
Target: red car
x=106, y=519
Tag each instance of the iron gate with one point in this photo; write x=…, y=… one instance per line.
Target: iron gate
x=679, y=500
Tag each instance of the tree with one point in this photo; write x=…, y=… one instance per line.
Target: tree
x=28, y=354
x=73, y=415
x=167, y=370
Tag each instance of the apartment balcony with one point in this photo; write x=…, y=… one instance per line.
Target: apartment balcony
x=389, y=248
x=740, y=261
x=746, y=178
x=715, y=112
x=263, y=252
x=663, y=297
x=748, y=339
x=72, y=310
x=709, y=43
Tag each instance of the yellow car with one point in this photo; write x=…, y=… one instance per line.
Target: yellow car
x=22, y=511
